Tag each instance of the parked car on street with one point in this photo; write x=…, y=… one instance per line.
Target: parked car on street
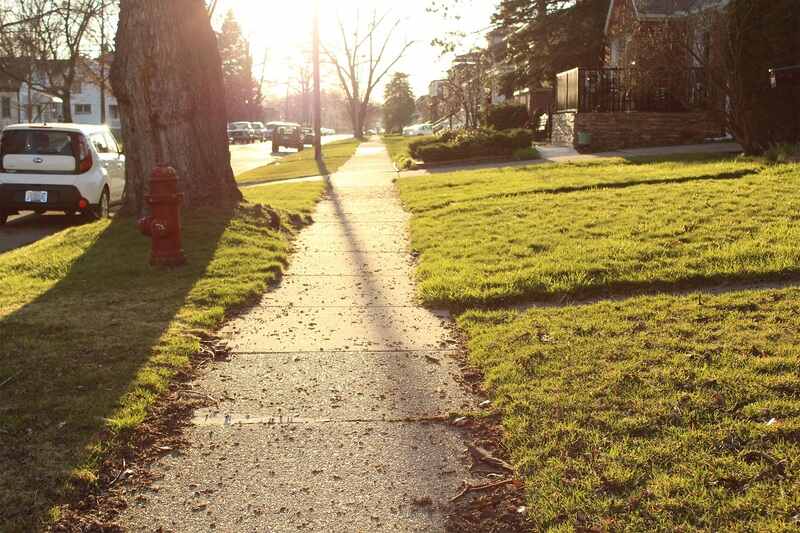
x=241, y=133
x=259, y=131
x=288, y=135
x=418, y=130
x=270, y=127
x=73, y=168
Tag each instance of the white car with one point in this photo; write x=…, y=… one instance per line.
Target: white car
x=74, y=168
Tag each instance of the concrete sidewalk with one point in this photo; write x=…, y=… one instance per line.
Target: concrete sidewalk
x=325, y=407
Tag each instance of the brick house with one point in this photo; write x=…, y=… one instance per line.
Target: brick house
x=652, y=88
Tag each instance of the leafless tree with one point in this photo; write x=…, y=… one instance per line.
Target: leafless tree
x=733, y=62
x=363, y=61
x=41, y=45
x=465, y=87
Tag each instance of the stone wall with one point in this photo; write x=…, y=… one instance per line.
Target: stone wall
x=563, y=128
x=615, y=131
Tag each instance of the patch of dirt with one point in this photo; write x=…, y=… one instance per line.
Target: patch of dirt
x=494, y=500
x=94, y=508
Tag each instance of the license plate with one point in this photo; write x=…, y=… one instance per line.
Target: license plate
x=36, y=197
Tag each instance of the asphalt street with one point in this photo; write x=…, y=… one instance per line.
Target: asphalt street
x=27, y=228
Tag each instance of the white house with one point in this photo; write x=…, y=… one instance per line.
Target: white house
x=20, y=103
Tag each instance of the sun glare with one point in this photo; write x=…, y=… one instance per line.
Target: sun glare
x=281, y=32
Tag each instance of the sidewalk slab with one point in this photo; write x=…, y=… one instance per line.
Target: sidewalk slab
x=342, y=477
x=343, y=385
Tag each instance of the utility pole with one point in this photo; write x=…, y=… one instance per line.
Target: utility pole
x=317, y=89
x=103, y=79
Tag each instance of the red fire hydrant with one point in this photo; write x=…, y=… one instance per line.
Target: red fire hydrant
x=164, y=223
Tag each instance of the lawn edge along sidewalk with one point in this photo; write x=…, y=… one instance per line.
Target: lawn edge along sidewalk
x=649, y=412
x=127, y=393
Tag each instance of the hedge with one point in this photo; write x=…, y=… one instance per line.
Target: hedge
x=507, y=116
x=467, y=144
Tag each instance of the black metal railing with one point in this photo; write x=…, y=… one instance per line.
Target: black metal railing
x=605, y=90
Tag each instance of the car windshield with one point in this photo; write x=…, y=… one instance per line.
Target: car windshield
x=239, y=125
x=18, y=142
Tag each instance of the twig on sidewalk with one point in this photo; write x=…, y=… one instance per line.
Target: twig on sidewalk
x=122, y=470
x=475, y=488
x=198, y=394
x=480, y=455
x=9, y=379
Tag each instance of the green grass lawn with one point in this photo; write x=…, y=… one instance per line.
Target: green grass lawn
x=302, y=164
x=90, y=335
x=643, y=412
x=651, y=414
x=544, y=232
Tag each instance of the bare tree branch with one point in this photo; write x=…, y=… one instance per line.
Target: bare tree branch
x=360, y=73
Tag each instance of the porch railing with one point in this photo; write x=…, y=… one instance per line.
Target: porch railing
x=607, y=90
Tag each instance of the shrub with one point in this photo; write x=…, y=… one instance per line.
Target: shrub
x=433, y=152
x=783, y=153
x=415, y=145
x=521, y=138
x=466, y=144
x=403, y=162
x=525, y=154
x=507, y=116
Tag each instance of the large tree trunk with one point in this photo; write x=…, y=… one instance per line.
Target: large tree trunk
x=167, y=77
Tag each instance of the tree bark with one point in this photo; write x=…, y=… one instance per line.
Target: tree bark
x=167, y=77
x=66, y=107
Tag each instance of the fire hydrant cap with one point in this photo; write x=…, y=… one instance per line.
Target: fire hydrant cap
x=164, y=171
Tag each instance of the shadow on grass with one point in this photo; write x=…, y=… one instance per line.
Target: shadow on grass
x=624, y=289
x=74, y=351
x=599, y=186
x=722, y=176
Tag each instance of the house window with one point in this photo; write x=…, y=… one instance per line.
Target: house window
x=113, y=111
x=5, y=107
x=83, y=109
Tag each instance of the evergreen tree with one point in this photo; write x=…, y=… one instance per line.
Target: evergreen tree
x=550, y=36
x=399, y=103
x=242, y=94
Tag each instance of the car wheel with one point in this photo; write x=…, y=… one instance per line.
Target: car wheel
x=103, y=208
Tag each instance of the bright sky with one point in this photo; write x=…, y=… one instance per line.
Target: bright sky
x=282, y=30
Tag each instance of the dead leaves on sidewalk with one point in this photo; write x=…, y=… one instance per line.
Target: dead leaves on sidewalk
x=494, y=502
